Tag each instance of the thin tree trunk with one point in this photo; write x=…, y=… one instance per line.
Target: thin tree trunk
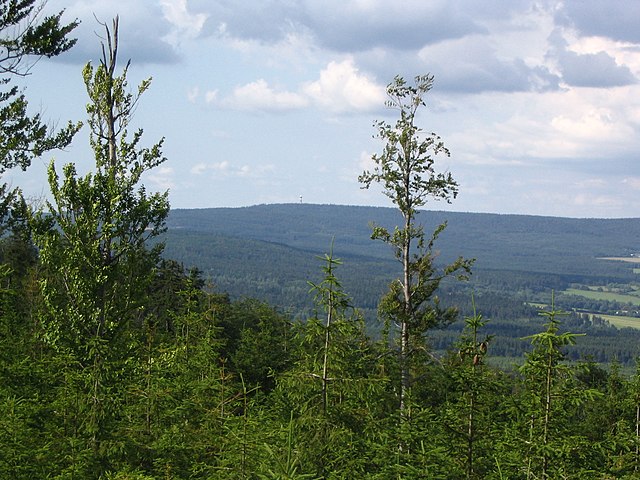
x=325, y=360
x=547, y=419
x=472, y=406
x=405, y=380
x=470, y=436
x=635, y=467
x=404, y=328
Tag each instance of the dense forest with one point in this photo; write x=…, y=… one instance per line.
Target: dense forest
x=270, y=252
x=117, y=362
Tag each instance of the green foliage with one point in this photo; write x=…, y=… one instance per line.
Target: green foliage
x=96, y=267
x=406, y=167
x=93, y=236
x=408, y=176
x=115, y=364
x=551, y=393
x=26, y=35
x=334, y=389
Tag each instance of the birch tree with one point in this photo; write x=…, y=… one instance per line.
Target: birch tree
x=406, y=170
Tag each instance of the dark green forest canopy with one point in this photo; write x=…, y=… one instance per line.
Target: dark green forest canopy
x=269, y=252
x=555, y=245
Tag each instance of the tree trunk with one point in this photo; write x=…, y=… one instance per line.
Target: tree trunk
x=404, y=324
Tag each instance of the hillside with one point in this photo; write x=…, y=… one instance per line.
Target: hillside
x=270, y=251
x=498, y=242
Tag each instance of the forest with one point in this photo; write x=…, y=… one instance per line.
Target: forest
x=269, y=252
x=118, y=362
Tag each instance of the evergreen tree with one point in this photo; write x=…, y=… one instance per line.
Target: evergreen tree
x=553, y=444
x=25, y=36
x=333, y=391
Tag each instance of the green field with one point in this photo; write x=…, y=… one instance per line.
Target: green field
x=610, y=296
x=621, y=322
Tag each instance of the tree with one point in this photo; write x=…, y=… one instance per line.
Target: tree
x=25, y=36
x=332, y=391
x=551, y=393
x=406, y=170
x=334, y=301
x=96, y=263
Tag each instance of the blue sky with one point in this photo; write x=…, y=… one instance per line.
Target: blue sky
x=267, y=101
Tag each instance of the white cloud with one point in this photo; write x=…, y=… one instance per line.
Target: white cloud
x=162, y=178
x=184, y=23
x=341, y=88
x=526, y=128
x=198, y=169
x=592, y=183
x=259, y=95
x=633, y=182
x=211, y=96
x=193, y=94
x=588, y=125
x=590, y=200
x=227, y=169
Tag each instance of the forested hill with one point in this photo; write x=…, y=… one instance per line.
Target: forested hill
x=499, y=242
x=269, y=251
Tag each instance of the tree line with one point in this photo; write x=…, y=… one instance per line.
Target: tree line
x=116, y=363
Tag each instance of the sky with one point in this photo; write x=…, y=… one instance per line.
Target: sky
x=274, y=101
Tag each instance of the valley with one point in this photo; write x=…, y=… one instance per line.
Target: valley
x=270, y=252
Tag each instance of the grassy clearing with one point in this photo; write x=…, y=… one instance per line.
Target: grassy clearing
x=621, y=322
x=622, y=259
x=610, y=296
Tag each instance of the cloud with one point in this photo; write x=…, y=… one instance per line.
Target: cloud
x=577, y=130
x=616, y=20
x=598, y=70
x=199, y=168
x=340, y=88
x=463, y=67
x=258, y=95
x=142, y=34
x=582, y=128
x=343, y=25
x=472, y=65
x=594, y=70
x=185, y=24
x=348, y=26
x=227, y=169
x=632, y=182
x=192, y=94
x=162, y=178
